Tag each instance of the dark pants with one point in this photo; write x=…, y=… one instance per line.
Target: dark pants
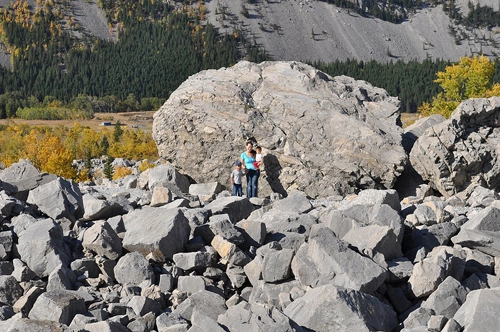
x=252, y=182
x=237, y=189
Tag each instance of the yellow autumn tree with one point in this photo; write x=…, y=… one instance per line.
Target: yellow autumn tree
x=470, y=78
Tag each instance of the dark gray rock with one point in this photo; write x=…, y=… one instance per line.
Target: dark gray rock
x=162, y=232
x=26, y=302
x=276, y=265
x=141, y=305
x=61, y=278
x=347, y=310
x=415, y=130
x=10, y=291
x=254, y=233
x=222, y=225
x=447, y=298
x=237, y=208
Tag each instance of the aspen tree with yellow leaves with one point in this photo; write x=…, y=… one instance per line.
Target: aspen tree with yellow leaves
x=470, y=78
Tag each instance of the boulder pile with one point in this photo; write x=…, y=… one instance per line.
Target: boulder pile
x=105, y=258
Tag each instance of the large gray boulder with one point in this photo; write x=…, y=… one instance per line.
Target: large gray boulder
x=101, y=239
x=133, y=269
x=42, y=247
x=59, y=306
x=57, y=199
x=167, y=176
x=290, y=109
x=325, y=259
x=330, y=308
x=162, y=232
x=463, y=149
x=480, y=311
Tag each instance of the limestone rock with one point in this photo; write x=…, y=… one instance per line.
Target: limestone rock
x=10, y=291
x=288, y=108
x=42, y=248
x=210, y=304
x=325, y=259
x=99, y=208
x=237, y=208
x=167, y=176
x=454, y=152
x=58, y=305
x=415, y=130
x=57, y=199
x=162, y=232
x=447, y=298
x=480, y=311
x=347, y=310
x=101, y=239
x=133, y=268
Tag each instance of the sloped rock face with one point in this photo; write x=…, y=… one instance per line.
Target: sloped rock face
x=463, y=149
x=319, y=134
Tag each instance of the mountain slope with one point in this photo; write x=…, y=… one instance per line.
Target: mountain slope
x=315, y=30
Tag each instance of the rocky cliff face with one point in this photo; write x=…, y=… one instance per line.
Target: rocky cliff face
x=319, y=134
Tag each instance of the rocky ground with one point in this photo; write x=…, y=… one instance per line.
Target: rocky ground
x=156, y=251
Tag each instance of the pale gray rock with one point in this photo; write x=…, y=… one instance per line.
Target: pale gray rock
x=42, y=248
x=418, y=319
x=295, y=202
x=167, y=322
x=484, y=220
x=21, y=222
x=480, y=311
x=190, y=284
x=161, y=196
x=141, y=305
x=58, y=305
x=167, y=176
x=36, y=325
x=210, y=304
x=451, y=326
x=440, y=263
x=482, y=197
x=478, y=261
x=133, y=268
x=484, y=241
x=228, y=251
x=416, y=129
x=399, y=270
x=249, y=317
x=236, y=275
x=436, y=323
x=325, y=259
x=22, y=272
x=61, y=278
x=102, y=240
x=88, y=267
x=162, y=232
x=373, y=239
x=21, y=177
x=451, y=154
x=57, y=199
x=254, y=232
x=192, y=260
x=205, y=189
x=237, y=208
x=6, y=204
x=202, y=323
x=10, y=291
x=288, y=108
x=372, y=197
x=221, y=225
x=99, y=207
x=430, y=212
x=105, y=326
x=347, y=310
x=268, y=293
x=447, y=298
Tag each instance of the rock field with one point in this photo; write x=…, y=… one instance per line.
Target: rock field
x=157, y=251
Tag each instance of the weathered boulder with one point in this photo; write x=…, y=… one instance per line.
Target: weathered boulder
x=347, y=310
x=447, y=298
x=440, y=263
x=290, y=109
x=325, y=259
x=21, y=177
x=237, y=208
x=167, y=176
x=456, y=152
x=10, y=291
x=133, y=269
x=42, y=247
x=162, y=232
x=101, y=239
x=210, y=304
x=36, y=325
x=249, y=317
x=58, y=305
x=99, y=207
x=480, y=311
x=415, y=130
x=484, y=241
x=57, y=199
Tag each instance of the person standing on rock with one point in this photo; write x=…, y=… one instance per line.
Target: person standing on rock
x=236, y=177
x=252, y=175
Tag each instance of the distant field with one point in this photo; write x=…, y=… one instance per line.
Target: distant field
x=132, y=120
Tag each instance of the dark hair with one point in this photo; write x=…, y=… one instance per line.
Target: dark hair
x=248, y=142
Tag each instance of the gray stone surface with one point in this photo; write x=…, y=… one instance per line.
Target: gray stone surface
x=57, y=199
x=205, y=189
x=101, y=239
x=347, y=310
x=193, y=260
x=237, y=208
x=167, y=176
x=210, y=304
x=99, y=207
x=480, y=311
x=58, y=305
x=447, y=298
x=133, y=268
x=249, y=317
x=440, y=263
x=42, y=248
x=288, y=108
x=415, y=130
x=296, y=201
x=484, y=241
x=325, y=259
x=10, y=291
x=36, y=325
x=454, y=152
x=162, y=232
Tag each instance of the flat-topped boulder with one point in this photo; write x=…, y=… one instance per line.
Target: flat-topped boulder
x=319, y=134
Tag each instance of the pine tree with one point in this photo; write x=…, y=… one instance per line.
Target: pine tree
x=108, y=168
